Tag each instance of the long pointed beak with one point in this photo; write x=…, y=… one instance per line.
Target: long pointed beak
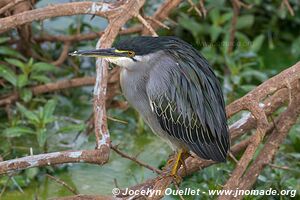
x=104, y=53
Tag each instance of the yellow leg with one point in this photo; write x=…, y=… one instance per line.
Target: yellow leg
x=177, y=162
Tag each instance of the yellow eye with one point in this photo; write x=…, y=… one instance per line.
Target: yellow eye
x=131, y=54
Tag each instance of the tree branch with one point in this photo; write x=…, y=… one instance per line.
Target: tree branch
x=285, y=122
x=9, y=6
x=116, y=21
x=57, y=10
x=78, y=37
x=161, y=14
x=99, y=157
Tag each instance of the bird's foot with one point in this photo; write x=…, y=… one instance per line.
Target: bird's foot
x=174, y=163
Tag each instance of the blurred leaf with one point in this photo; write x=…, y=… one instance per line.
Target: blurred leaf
x=16, y=63
x=247, y=88
x=42, y=136
x=30, y=62
x=215, y=31
x=189, y=24
x=214, y=15
x=40, y=78
x=244, y=42
x=248, y=74
x=22, y=80
x=8, y=75
x=295, y=49
x=262, y=178
x=32, y=172
x=231, y=64
x=49, y=110
x=4, y=39
x=295, y=155
x=257, y=43
x=17, y=131
x=28, y=114
x=72, y=128
x=4, y=50
x=26, y=95
x=245, y=21
x=43, y=67
x=225, y=17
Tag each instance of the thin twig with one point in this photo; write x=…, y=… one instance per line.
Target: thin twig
x=64, y=184
x=63, y=55
x=124, y=155
x=146, y=24
x=236, y=11
x=158, y=22
x=177, y=188
x=233, y=157
x=117, y=120
x=202, y=8
x=17, y=185
x=5, y=186
x=289, y=7
x=194, y=6
x=280, y=167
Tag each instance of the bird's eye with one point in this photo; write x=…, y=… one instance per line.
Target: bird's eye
x=131, y=53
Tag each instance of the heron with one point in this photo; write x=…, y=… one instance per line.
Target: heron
x=175, y=91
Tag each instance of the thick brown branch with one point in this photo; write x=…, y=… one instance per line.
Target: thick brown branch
x=126, y=12
x=285, y=122
x=9, y=5
x=87, y=156
x=56, y=10
x=282, y=80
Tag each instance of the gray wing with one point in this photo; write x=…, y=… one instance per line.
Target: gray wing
x=188, y=103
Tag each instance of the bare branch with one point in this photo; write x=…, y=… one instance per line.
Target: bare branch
x=56, y=10
x=162, y=14
x=236, y=11
x=124, y=155
x=116, y=21
x=99, y=157
x=147, y=25
x=64, y=184
x=289, y=7
x=194, y=6
x=9, y=6
x=63, y=55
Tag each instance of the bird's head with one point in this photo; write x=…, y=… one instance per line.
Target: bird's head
x=130, y=52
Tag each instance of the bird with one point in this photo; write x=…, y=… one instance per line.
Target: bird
x=175, y=91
